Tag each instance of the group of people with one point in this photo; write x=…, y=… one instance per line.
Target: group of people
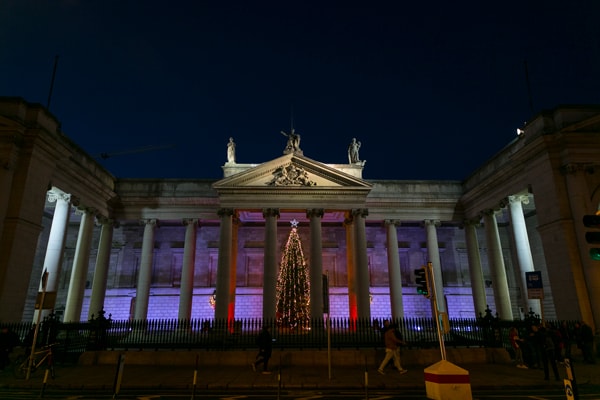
x=544, y=345
x=391, y=336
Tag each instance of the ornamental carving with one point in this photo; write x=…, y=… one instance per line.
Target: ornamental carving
x=290, y=175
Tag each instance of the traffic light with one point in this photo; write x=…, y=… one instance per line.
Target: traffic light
x=593, y=236
x=422, y=280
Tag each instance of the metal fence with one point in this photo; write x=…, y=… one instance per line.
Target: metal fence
x=172, y=334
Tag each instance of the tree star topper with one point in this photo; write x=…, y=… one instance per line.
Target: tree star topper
x=294, y=223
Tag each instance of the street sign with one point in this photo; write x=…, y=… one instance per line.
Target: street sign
x=535, y=288
x=49, y=300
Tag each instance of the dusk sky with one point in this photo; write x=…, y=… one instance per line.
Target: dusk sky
x=431, y=89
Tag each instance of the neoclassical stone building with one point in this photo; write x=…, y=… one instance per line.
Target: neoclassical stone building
x=173, y=248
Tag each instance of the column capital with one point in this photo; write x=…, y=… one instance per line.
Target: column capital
x=475, y=222
x=315, y=213
x=55, y=195
x=360, y=212
x=189, y=221
x=107, y=221
x=434, y=222
x=519, y=198
x=490, y=212
x=270, y=212
x=225, y=212
x=149, y=221
x=85, y=210
x=393, y=222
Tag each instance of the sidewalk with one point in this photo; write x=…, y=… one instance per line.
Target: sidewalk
x=481, y=376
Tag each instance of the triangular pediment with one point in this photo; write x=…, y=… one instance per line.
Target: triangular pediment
x=292, y=178
x=291, y=170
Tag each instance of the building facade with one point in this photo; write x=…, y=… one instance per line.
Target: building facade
x=150, y=249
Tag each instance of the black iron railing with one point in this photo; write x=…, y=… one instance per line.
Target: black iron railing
x=223, y=335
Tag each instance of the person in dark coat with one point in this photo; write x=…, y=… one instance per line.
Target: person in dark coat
x=8, y=341
x=586, y=342
x=543, y=337
x=265, y=348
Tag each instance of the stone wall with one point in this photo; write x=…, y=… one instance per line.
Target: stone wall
x=307, y=358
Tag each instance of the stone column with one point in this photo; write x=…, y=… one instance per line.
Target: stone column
x=316, y=263
x=433, y=252
x=363, y=284
x=270, y=269
x=142, y=295
x=186, y=290
x=351, y=268
x=475, y=270
x=101, y=269
x=223, y=266
x=80, y=268
x=235, y=224
x=585, y=287
x=524, y=257
x=394, y=270
x=497, y=267
x=56, y=241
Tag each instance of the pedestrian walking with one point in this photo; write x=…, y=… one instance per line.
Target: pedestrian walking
x=264, y=341
x=392, y=351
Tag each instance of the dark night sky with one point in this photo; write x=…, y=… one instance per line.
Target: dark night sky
x=431, y=89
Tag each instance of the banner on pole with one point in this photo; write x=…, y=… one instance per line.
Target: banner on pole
x=535, y=288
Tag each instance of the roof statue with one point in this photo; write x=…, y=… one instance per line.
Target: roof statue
x=353, y=157
x=293, y=143
x=231, y=151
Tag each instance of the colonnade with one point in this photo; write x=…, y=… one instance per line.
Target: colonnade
x=357, y=262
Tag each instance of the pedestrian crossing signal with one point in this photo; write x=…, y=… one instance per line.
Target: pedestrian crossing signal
x=422, y=281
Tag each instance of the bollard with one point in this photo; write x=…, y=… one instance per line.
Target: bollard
x=570, y=383
x=446, y=381
x=195, y=379
x=119, y=376
x=44, y=383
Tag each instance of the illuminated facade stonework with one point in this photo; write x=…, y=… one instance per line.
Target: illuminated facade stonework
x=166, y=248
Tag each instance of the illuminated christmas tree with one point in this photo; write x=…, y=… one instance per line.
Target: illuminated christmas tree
x=293, y=284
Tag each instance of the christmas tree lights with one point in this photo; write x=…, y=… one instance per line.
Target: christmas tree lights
x=293, y=284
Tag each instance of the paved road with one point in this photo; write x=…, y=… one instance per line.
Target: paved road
x=588, y=393
x=485, y=381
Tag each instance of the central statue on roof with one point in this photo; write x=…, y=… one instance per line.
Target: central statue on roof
x=293, y=143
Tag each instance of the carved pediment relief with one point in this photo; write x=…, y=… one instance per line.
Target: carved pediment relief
x=291, y=175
